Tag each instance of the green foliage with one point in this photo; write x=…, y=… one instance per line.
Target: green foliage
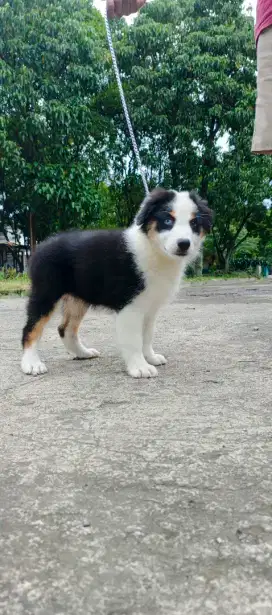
x=8, y=274
x=192, y=91
x=189, y=74
x=52, y=71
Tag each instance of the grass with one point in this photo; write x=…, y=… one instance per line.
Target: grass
x=20, y=284
x=240, y=275
x=14, y=286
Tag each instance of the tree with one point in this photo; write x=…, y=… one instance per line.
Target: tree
x=192, y=93
x=188, y=69
x=52, y=140
x=238, y=190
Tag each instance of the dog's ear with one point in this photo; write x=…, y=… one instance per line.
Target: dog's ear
x=151, y=204
x=204, y=214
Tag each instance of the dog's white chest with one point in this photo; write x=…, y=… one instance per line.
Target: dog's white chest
x=162, y=286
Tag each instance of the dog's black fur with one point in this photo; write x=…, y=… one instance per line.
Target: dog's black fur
x=94, y=266
x=204, y=215
x=160, y=199
x=157, y=200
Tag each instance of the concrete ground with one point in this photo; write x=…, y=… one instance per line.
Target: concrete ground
x=123, y=497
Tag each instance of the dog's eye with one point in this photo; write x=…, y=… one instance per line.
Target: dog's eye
x=195, y=225
x=168, y=221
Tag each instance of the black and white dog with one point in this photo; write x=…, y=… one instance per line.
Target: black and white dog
x=131, y=272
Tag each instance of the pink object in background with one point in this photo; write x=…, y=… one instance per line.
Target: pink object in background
x=264, y=16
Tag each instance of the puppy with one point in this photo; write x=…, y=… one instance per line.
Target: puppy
x=131, y=272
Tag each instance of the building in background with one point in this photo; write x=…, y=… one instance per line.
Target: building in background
x=14, y=254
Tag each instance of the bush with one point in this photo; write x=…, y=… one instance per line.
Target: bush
x=9, y=273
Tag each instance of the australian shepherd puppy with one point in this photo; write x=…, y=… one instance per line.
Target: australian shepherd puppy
x=131, y=272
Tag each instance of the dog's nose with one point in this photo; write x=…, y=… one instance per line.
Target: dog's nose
x=183, y=245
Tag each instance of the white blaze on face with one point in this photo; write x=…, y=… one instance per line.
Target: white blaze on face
x=184, y=209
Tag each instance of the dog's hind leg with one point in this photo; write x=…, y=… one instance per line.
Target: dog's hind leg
x=73, y=312
x=38, y=314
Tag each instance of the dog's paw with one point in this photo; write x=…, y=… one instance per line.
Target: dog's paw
x=87, y=353
x=142, y=370
x=33, y=367
x=156, y=359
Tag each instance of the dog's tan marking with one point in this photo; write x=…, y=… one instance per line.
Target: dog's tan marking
x=173, y=214
x=152, y=229
x=73, y=312
x=202, y=232
x=34, y=335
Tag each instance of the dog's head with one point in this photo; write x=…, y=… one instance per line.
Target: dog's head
x=176, y=222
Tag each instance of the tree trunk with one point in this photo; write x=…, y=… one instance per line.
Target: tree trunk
x=227, y=263
x=173, y=167
x=198, y=266
x=32, y=232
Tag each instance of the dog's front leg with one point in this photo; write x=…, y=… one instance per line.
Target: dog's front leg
x=148, y=332
x=129, y=328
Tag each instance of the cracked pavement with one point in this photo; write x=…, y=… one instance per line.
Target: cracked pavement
x=123, y=497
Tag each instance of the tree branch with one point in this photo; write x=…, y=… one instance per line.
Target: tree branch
x=240, y=228
x=241, y=241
